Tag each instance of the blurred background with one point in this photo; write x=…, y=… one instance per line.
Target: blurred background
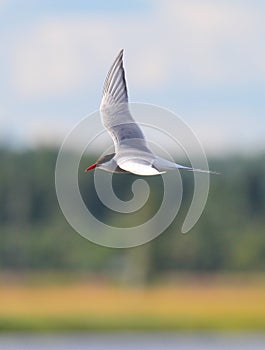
x=203, y=60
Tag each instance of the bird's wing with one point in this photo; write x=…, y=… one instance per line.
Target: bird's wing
x=114, y=109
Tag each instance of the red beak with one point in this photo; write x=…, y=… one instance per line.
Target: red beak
x=91, y=167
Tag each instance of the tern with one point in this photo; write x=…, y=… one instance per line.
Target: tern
x=132, y=154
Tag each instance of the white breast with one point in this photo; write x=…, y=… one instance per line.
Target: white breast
x=139, y=167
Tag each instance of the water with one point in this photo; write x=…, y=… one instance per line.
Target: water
x=129, y=341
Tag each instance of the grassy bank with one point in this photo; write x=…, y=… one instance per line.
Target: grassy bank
x=84, y=306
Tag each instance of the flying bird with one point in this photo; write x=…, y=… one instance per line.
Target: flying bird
x=132, y=154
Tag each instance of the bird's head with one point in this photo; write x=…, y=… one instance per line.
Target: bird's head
x=102, y=160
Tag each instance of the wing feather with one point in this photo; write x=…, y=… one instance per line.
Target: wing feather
x=114, y=109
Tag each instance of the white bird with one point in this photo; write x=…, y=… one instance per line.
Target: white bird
x=131, y=152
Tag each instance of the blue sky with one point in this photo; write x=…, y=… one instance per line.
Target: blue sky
x=203, y=60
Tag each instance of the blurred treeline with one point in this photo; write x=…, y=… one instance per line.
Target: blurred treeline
x=230, y=235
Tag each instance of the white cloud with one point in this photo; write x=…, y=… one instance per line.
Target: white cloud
x=202, y=44
x=214, y=42
x=205, y=43
x=42, y=133
x=57, y=57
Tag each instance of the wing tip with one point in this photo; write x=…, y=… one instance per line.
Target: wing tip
x=120, y=55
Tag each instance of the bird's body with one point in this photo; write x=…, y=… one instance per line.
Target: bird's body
x=132, y=154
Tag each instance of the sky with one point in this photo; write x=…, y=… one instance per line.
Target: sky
x=204, y=60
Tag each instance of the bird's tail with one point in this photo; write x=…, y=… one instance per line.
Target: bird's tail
x=164, y=164
x=198, y=170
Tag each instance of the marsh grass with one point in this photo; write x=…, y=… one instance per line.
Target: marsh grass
x=84, y=306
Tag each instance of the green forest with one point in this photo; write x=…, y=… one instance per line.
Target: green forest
x=229, y=236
